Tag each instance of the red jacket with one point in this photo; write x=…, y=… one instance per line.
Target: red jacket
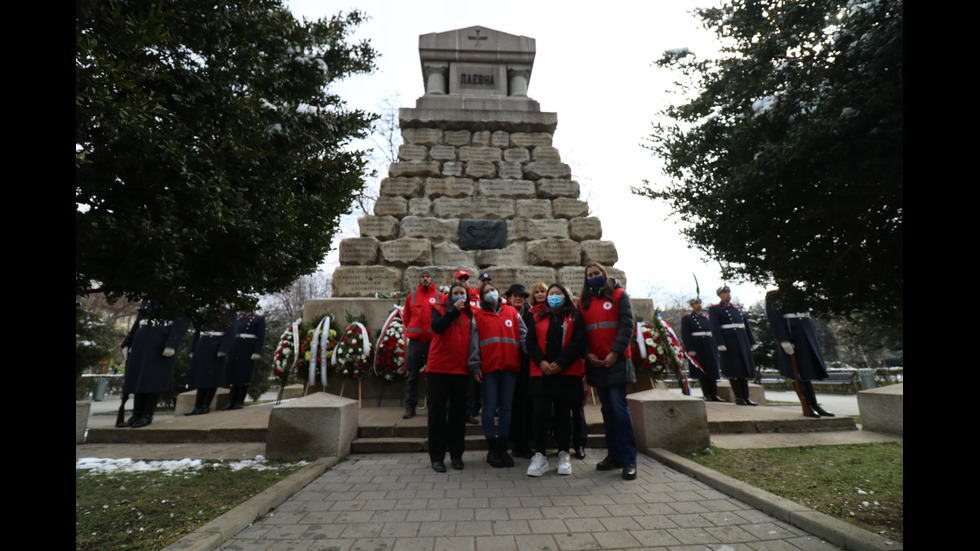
x=499, y=339
x=417, y=315
x=541, y=328
x=602, y=324
x=450, y=349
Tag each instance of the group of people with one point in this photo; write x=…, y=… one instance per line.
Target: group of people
x=723, y=338
x=223, y=353
x=532, y=356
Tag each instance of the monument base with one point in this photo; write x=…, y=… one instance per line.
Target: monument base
x=882, y=409
x=314, y=426
x=664, y=419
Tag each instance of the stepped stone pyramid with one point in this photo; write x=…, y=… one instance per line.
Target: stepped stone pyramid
x=478, y=185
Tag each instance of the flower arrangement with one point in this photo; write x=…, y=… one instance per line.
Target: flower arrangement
x=353, y=352
x=322, y=342
x=389, y=355
x=286, y=356
x=657, y=348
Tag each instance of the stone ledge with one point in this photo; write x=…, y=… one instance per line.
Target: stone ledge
x=458, y=119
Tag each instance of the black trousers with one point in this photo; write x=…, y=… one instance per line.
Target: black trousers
x=447, y=414
x=543, y=406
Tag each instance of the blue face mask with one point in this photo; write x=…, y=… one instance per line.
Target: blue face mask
x=491, y=297
x=555, y=301
x=596, y=282
x=457, y=298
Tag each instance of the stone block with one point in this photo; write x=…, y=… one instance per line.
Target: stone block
x=408, y=152
x=551, y=188
x=419, y=206
x=82, y=410
x=400, y=187
x=525, y=229
x=530, y=139
x=436, y=229
x=529, y=275
x=374, y=310
x=358, y=251
x=482, y=234
x=458, y=137
x=422, y=136
x=480, y=169
x=413, y=168
x=573, y=277
x=448, y=187
x=546, y=154
x=603, y=252
x=479, y=153
x=570, y=208
x=481, y=137
x=517, y=155
x=537, y=170
x=500, y=139
x=492, y=208
x=391, y=206
x=510, y=171
x=449, y=254
x=314, y=426
x=882, y=409
x=516, y=189
x=554, y=252
x=442, y=153
x=365, y=281
x=581, y=229
x=407, y=251
x=382, y=227
x=664, y=419
x=534, y=209
x=512, y=255
x=452, y=168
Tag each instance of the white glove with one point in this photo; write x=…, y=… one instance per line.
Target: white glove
x=168, y=352
x=722, y=348
x=787, y=347
x=256, y=356
x=222, y=354
x=125, y=353
x=692, y=353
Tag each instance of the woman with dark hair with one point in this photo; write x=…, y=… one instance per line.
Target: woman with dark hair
x=608, y=316
x=555, y=343
x=448, y=377
x=496, y=340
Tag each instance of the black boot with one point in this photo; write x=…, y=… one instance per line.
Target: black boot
x=200, y=405
x=147, y=407
x=811, y=399
x=504, y=456
x=137, y=403
x=745, y=392
x=710, y=390
x=737, y=391
x=493, y=453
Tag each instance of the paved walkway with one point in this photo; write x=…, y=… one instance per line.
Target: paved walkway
x=398, y=503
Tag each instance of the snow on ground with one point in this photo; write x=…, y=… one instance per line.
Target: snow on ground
x=98, y=465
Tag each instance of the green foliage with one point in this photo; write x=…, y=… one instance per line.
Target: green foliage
x=95, y=340
x=211, y=157
x=788, y=162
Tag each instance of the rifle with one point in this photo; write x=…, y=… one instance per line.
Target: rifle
x=797, y=384
x=121, y=414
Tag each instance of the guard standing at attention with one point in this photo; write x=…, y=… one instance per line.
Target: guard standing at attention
x=734, y=338
x=700, y=345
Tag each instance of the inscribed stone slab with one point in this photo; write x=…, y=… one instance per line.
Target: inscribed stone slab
x=510, y=171
x=407, y=251
x=358, y=251
x=441, y=275
x=516, y=189
x=536, y=170
x=448, y=187
x=419, y=206
x=603, y=252
x=479, y=153
x=365, y=281
x=408, y=152
x=422, y=136
x=546, y=154
x=534, y=208
x=570, y=208
x=551, y=188
x=524, y=229
x=512, y=255
x=428, y=228
x=581, y=229
x=413, y=168
x=391, y=206
x=442, y=153
x=554, y=252
x=530, y=139
x=480, y=169
x=517, y=155
x=500, y=139
x=458, y=137
x=449, y=254
x=382, y=227
x=400, y=187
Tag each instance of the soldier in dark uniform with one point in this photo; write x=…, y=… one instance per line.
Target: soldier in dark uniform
x=150, y=349
x=249, y=332
x=733, y=336
x=212, y=340
x=696, y=334
x=797, y=337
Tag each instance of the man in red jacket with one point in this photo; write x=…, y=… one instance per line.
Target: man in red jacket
x=417, y=317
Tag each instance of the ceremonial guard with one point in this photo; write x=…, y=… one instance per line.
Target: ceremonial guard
x=417, y=317
x=246, y=347
x=212, y=340
x=700, y=346
x=796, y=334
x=150, y=349
x=734, y=339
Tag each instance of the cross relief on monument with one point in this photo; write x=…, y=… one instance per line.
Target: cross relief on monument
x=478, y=184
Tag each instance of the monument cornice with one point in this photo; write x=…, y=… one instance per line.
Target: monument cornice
x=487, y=119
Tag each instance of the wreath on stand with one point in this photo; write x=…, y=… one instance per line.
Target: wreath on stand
x=659, y=350
x=286, y=356
x=352, y=356
x=323, y=340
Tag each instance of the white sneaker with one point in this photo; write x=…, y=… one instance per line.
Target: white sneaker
x=564, y=463
x=539, y=465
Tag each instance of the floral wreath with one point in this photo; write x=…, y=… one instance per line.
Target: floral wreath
x=323, y=342
x=285, y=356
x=353, y=352
x=389, y=355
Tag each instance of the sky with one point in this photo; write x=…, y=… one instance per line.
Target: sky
x=593, y=67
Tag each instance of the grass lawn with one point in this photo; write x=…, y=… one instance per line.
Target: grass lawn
x=858, y=483
x=150, y=510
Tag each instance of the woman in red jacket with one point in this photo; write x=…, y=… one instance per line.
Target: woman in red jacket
x=555, y=344
x=495, y=360
x=448, y=377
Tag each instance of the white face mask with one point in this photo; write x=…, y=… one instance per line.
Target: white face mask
x=491, y=297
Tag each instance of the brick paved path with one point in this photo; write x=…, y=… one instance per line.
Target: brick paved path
x=396, y=502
